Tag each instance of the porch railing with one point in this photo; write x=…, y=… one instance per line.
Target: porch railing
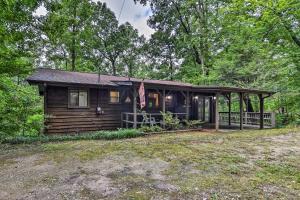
x=128, y=118
x=249, y=118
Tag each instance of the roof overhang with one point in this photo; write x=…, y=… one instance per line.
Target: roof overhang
x=78, y=79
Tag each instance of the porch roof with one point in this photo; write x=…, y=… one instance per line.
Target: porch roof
x=52, y=76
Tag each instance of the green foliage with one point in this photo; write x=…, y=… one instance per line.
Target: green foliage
x=35, y=124
x=86, y=36
x=149, y=129
x=193, y=123
x=16, y=37
x=170, y=122
x=99, y=135
x=20, y=109
x=20, y=105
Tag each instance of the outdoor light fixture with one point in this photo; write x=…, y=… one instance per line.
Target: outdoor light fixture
x=99, y=110
x=214, y=98
x=196, y=97
x=169, y=97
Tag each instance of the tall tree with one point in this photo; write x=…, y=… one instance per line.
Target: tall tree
x=64, y=28
x=194, y=24
x=260, y=50
x=16, y=35
x=112, y=47
x=162, y=56
x=19, y=103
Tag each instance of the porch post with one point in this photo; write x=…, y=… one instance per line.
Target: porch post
x=164, y=105
x=164, y=101
x=187, y=105
x=203, y=108
x=217, y=112
x=229, y=109
x=45, y=99
x=134, y=108
x=211, y=110
x=261, y=111
x=241, y=110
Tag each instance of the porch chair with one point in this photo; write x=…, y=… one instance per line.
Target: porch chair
x=147, y=120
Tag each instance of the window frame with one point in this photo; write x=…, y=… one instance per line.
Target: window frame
x=109, y=97
x=79, y=90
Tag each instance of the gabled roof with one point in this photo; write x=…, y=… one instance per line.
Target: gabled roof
x=46, y=75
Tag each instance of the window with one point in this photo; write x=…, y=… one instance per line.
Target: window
x=153, y=100
x=78, y=98
x=114, y=97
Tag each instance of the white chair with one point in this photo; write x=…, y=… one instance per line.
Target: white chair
x=147, y=120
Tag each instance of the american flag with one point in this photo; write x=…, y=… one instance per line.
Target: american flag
x=142, y=95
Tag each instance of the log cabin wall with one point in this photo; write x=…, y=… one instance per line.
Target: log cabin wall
x=62, y=119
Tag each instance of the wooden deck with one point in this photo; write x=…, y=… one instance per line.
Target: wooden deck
x=251, y=120
x=233, y=126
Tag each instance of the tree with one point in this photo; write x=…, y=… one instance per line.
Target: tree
x=112, y=47
x=193, y=23
x=65, y=29
x=162, y=56
x=17, y=36
x=265, y=34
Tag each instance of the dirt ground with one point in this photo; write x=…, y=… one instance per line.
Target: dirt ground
x=197, y=165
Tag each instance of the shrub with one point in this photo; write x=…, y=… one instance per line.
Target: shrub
x=148, y=129
x=34, y=125
x=171, y=123
x=18, y=103
x=283, y=120
x=193, y=123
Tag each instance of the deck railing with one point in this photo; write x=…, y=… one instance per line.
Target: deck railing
x=249, y=118
x=128, y=118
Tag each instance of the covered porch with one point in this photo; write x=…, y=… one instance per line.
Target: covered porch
x=214, y=106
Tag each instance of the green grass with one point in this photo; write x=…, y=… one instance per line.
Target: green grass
x=99, y=135
x=254, y=164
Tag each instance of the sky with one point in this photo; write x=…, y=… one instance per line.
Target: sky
x=135, y=14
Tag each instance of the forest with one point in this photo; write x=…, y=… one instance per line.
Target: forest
x=244, y=43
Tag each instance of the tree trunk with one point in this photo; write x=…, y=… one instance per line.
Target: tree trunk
x=187, y=30
x=249, y=106
x=73, y=49
x=66, y=59
x=171, y=66
x=130, y=70
x=113, y=64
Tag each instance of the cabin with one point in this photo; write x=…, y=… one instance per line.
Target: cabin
x=79, y=102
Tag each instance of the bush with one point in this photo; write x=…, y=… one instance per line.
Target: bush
x=171, y=123
x=148, y=129
x=99, y=135
x=20, y=107
x=34, y=125
x=193, y=123
x=283, y=120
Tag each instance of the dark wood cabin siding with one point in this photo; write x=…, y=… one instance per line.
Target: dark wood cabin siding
x=62, y=119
